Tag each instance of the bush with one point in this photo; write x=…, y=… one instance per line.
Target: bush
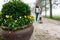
x=16, y=15
x=0, y=18
x=16, y=9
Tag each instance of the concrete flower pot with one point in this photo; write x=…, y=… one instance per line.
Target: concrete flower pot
x=23, y=34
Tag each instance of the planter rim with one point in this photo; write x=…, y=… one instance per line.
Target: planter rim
x=6, y=28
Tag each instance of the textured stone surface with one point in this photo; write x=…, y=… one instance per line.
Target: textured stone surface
x=49, y=30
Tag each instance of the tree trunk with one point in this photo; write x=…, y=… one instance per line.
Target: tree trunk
x=50, y=1
x=45, y=7
x=40, y=10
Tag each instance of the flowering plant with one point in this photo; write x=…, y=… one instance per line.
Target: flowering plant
x=17, y=16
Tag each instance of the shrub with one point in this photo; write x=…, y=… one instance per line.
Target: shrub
x=0, y=18
x=16, y=15
x=16, y=9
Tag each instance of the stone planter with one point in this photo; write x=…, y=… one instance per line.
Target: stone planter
x=24, y=34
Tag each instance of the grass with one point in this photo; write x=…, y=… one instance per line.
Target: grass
x=0, y=13
x=54, y=18
x=0, y=28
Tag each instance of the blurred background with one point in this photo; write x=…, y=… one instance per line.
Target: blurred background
x=49, y=8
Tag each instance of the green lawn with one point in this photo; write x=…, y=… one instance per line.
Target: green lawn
x=0, y=28
x=54, y=17
x=0, y=12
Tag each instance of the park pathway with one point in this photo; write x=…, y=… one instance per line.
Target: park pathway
x=48, y=30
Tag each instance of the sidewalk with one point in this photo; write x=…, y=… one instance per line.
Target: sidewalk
x=49, y=30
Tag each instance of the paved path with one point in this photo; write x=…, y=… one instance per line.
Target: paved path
x=49, y=30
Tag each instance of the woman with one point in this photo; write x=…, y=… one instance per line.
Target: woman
x=37, y=11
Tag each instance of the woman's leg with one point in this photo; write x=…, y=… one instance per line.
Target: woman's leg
x=37, y=16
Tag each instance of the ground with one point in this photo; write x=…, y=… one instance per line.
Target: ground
x=48, y=30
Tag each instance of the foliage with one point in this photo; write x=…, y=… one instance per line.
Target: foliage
x=0, y=18
x=16, y=14
x=54, y=17
x=17, y=8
